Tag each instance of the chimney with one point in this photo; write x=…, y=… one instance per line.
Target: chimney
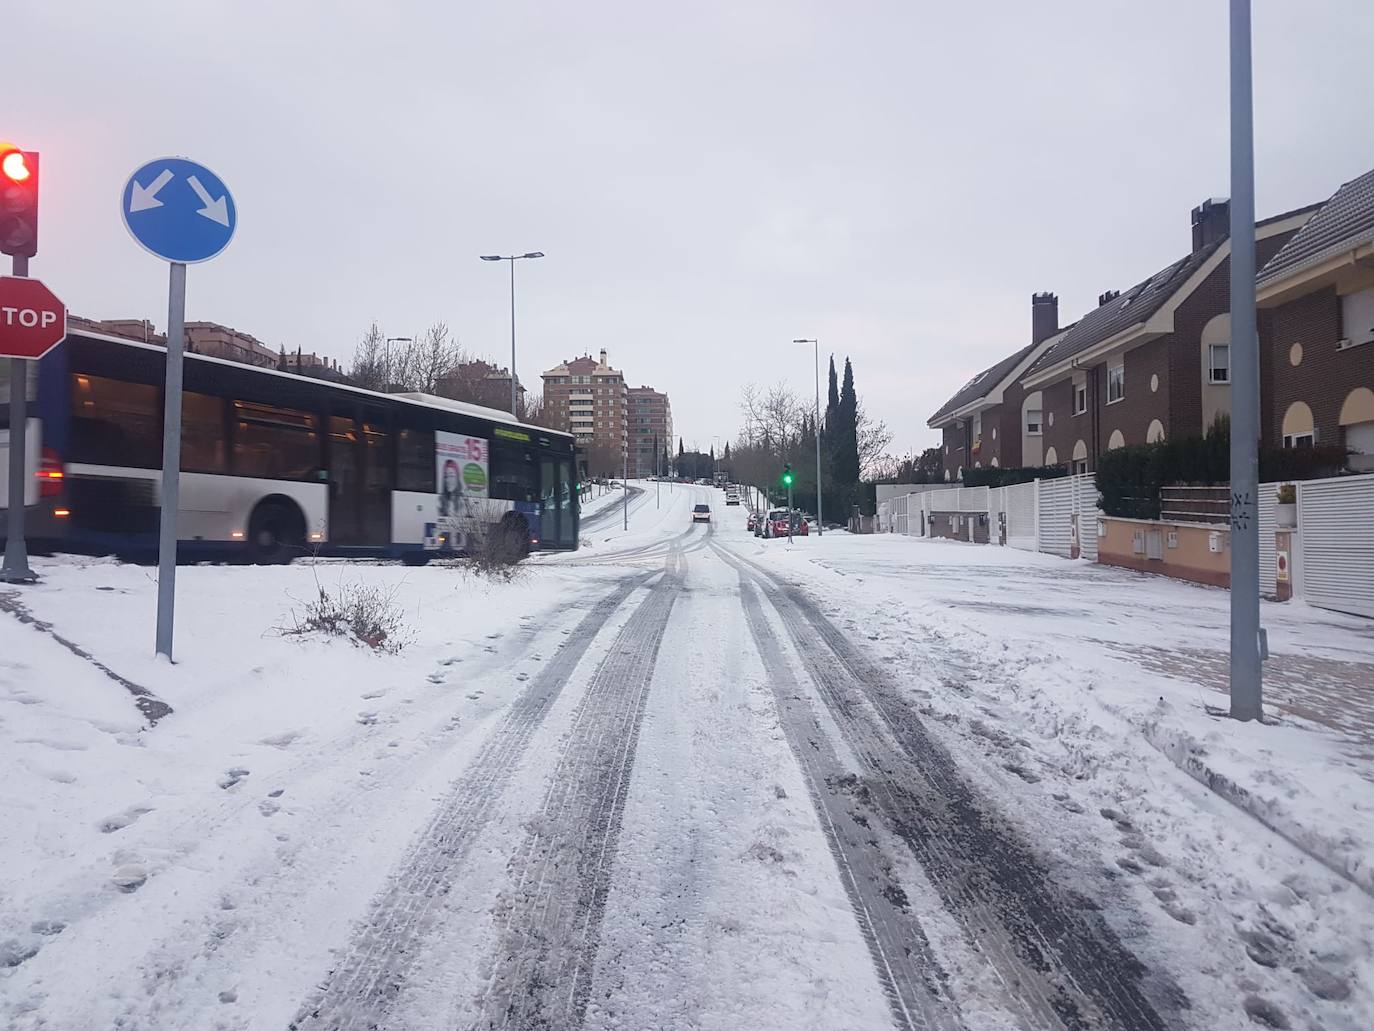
x=1211, y=222
x=1044, y=316
x=603, y=356
x=1107, y=295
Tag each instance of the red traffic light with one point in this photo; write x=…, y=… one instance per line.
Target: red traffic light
x=18, y=201
x=14, y=166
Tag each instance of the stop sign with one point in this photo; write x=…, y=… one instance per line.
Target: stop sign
x=32, y=320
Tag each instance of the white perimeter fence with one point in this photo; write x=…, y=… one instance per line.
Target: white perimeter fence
x=1332, y=544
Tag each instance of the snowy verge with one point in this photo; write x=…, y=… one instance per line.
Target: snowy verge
x=1287, y=815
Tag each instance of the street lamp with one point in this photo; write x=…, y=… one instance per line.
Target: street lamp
x=512, y=258
x=820, y=521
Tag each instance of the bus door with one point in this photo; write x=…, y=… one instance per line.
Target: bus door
x=376, y=479
x=345, y=482
x=567, y=505
x=548, y=502
x=359, y=480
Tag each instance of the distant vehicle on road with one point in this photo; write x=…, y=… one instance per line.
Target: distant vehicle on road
x=731, y=498
x=701, y=513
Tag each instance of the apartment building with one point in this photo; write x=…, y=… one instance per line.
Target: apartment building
x=217, y=341
x=481, y=383
x=651, y=430
x=589, y=399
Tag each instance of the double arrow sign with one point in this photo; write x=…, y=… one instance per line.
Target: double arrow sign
x=144, y=197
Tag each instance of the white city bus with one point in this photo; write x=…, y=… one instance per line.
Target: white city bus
x=276, y=464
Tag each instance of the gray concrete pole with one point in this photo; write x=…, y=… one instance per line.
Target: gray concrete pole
x=1246, y=694
x=16, y=567
x=171, y=460
x=820, y=518
x=790, y=513
x=512, y=339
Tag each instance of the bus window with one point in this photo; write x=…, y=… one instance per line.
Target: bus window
x=415, y=460
x=115, y=423
x=202, y=434
x=31, y=393
x=514, y=473
x=275, y=443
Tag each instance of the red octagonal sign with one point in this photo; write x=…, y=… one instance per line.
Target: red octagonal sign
x=32, y=320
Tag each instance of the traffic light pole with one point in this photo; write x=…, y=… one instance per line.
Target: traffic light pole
x=791, y=512
x=171, y=461
x=16, y=568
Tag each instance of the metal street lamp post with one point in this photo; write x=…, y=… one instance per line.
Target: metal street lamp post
x=512, y=258
x=820, y=520
x=1247, y=639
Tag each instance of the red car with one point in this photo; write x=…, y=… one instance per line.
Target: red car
x=753, y=522
x=778, y=527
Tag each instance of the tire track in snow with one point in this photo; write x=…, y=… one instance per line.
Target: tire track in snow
x=548, y=922
x=1061, y=966
x=910, y=977
x=359, y=991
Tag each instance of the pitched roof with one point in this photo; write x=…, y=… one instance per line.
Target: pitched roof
x=1343, y=223
x=1132, y=306
x=982, y=383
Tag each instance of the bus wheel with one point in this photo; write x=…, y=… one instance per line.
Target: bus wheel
x=276, y=533
x=512, y=538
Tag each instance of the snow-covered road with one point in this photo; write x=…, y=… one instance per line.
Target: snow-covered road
x=679, y=779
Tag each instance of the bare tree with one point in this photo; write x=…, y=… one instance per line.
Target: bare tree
x=604, y=460
x=534, y=412
x=369, y=368
x=772, y=419
x=874, y=438
x=431, y=357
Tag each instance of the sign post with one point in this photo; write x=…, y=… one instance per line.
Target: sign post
x=32, y=322
x=181, y=212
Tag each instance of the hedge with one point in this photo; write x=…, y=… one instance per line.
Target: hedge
x=992, y=476
x=1130, y=478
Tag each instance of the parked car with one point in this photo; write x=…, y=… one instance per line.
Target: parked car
x=778, y=520
x=753, y=522
x=701, y=513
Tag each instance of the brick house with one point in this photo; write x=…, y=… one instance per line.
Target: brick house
x=991, y=421
x=1154, y=361
x=1317, y=334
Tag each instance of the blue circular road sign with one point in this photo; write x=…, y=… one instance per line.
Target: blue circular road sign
x=179, y=210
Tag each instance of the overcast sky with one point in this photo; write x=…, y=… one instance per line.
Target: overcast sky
x=708, y=180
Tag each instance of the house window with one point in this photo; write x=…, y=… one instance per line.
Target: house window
x=1033, y=423
x=1080, y=399
x=1081, y=466
x=1357, y=318
x=1298, y=440
x=1218, y=363
x=1116, y=383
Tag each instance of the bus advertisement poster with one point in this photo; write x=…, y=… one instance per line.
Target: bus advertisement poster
x=462, y=475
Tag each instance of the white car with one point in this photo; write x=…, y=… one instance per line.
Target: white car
x=701, y=514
